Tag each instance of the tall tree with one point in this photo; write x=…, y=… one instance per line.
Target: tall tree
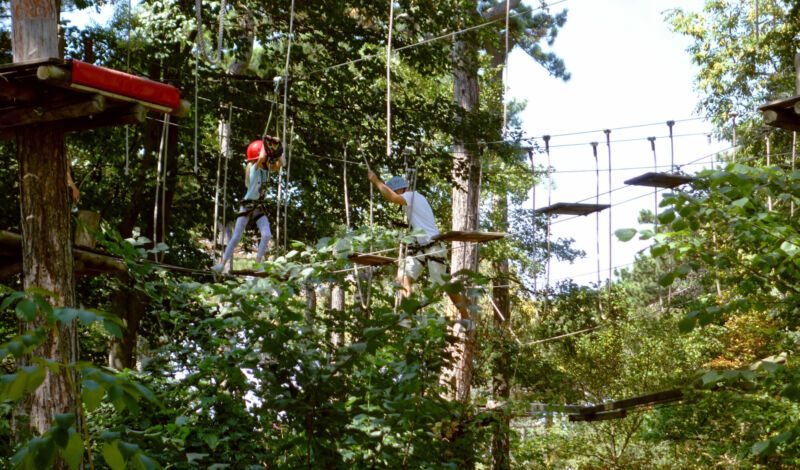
x=44, y=207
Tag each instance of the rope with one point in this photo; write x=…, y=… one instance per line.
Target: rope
x=597, y=220
x=346, y=197
x=196, y=109
x=549, y=203
x=201, y=41
x=164, y=187
x=216, y=194
x=227, y=164
x=128, y=69
x=766, y=142
x=505, y=69
x=286, y=198
x=794, y=149
x=164, y=128
x=533, y=204
x=610, y=269
x=283, y=132
x=389, y=82
x=671, y=147
x=655, y=215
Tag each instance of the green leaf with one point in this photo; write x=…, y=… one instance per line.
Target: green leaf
x=60, y=436
x=26, y=310
x=666, y=279
x=73, y=453
x=43, y=451
x=687, y=324
x=15, y=388
x=113, y=456
x=143, y=462
x=10, y=299
x=790, y=248
x=86, y=317
x=43, y=304
x=711, y=376
x=65, y=315
x=91, y=393
x=625, y=234
x=113, y=328
x=762, y=447
x=36, y=375
x=65, y=420
x=740, y=202
x=127, y=449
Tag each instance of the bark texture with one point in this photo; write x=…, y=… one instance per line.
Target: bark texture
x=47, y=261
x=130, y=306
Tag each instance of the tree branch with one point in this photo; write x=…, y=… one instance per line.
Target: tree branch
x=499, y=10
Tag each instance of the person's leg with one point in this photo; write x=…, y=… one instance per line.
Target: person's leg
x=266, y=234
x=408, y=271
x=238, y=231
x=437, y=269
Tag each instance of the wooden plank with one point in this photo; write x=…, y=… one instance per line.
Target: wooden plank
x=13, y=91
x=644, y=400
x=660, y=180
x=121, y=116
x=782, y=118
x=366, y=259
x=783, y=103
x=89, y=260
x=571, y=208
x=469, y=236
x=38, y=114
x=617, y=414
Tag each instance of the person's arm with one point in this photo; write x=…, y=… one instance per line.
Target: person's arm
x=76, y=194
x=277, y=164
x=387, y=192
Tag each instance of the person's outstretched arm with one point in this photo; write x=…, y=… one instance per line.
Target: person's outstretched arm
x=387, y=192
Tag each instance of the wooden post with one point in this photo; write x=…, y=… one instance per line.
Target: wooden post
x=46, y=248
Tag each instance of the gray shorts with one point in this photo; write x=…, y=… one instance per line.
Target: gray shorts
x=412, y=265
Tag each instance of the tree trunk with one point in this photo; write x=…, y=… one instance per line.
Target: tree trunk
x=46, y=230
x=129, y=305
x=501, y=376
x=466, y=196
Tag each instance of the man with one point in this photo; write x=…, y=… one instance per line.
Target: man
x=425, y=250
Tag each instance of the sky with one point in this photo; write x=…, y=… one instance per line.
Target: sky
x=628, y=69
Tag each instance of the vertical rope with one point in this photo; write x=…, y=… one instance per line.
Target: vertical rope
x=227, y=164
x=671, y=148
x=201, y=41
x=766, y=142
x=164, y=184
x=655, y=216
x=505, y=69
x=549, y=203
x=283, y=130
x=346, y=196
x=533, y=208
x=389, y=81
x=196, y=108
x=288, y=174
x=597, y=220
x=733, y=125
x=128, y=69
x=158, y=186
x=610, y=264
x=794, y=152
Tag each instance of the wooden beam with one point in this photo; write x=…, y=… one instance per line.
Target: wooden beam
x=14, y=91
x=39, y=114
x=54, y=75
x=133, y=114
x=644, y=400
x=782, y=118
x=616, y=414
x=87, y=260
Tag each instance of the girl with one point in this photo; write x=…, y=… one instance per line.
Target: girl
x=259, y=158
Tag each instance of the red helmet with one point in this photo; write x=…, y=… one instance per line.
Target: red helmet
x=254, y=150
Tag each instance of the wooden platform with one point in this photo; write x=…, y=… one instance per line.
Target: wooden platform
x=571, y=208
x=617, y=409
x=471, y=236
x=784, y=113
x=80, y=97
x=87, y=261
x=366, y=259
x=659, y=180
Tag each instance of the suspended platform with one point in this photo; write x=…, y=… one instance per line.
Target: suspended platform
x=618, y=409
x=79, y=95
x=784, y=113
x=571, y=208
x=660, y=180
x=474, y=236
x=87, y=261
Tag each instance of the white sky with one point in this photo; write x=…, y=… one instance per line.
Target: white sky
x=627, y=69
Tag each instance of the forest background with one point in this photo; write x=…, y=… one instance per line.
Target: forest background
x=315, y=365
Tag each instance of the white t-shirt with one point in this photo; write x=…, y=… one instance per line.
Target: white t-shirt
x=420, y=215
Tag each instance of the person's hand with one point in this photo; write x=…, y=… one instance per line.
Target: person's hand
x=372, y=177
x=76, y=194
x=274, y=140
